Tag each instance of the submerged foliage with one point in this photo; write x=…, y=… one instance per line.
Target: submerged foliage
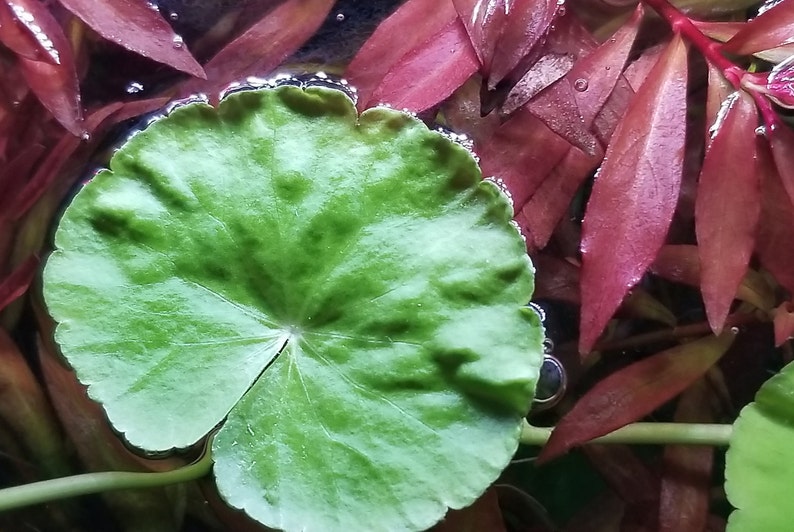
x=650, y=170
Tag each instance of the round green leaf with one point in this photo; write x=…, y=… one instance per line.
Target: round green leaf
x=344, y=290
x=759, y=464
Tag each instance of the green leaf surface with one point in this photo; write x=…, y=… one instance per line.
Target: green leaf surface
x=759, y=464
x=343, y=292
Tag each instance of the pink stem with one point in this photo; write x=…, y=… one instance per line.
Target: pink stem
x=710, y=49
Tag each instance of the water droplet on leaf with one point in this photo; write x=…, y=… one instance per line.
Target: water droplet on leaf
x=179, y=42
x=580, y=84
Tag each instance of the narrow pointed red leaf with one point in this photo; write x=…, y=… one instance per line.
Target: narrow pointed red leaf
x=526, y=25
x=428, y=74
x=727, y=207
x=783, y=320
x=634, y=392
x=18, y=281
x=264, y=46
x=570, y=106
x=484, y=21
x=769, y=30
x=548, y=69
x=781, y=142
x=29, y=29
x=686, y=481
x=137, y=27
x=57, y=88
x=415, y=69
x=723, y=31
x=635, y=193
x=776, y=225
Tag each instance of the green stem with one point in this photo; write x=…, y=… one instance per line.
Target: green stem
x=712, y=434
x=61, y=488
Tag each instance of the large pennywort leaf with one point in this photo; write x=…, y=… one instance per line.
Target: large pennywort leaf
x=345, y=291
x=759, y=464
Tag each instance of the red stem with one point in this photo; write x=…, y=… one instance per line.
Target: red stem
x=710, y=49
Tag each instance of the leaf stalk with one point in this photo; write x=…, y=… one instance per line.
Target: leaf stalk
x=711, y=434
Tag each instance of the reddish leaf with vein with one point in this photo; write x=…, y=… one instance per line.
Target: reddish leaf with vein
x=727, y=207
x=686, y=477
x=48, y=64
x=634, y=392
x=27, y=27
x=776, y=225
x=769, y=30
x=16, y=172
x=18, y=281
x=417, y=69
x=781, y=142
x=783, y=320
x=635, y=193
x=263, y=47
x=543, y=210
x=723, y=31
x=503, y=32
x=138, y=28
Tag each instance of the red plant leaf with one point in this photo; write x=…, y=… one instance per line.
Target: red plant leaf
x=769, y=30
x=29, y=29
x=781, y=142
x=18, y=281
x=263, y=47
x=570, y=106
x=776, y=225
x=57, y=89
x=48, y=171
x=16, y=172
x=635, y=194
x=137, y=27
x=783, y=320
x=718, y=91
x=484, y=21
x=522, y=153
x=503, y=32
x=415, y=69
x=634, y=392
x=549, y=68
x=686, y=481
x=723, y=31
x=46, y=64
x=441, y=67
x=727, y=207
x=555, y=279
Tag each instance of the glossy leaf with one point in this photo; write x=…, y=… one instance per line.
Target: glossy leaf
x=137, y=27
x=768, y=30
x=759, y=464
x=723, y=31
x=263, y=47
x=634, y=392
x=640, y=179
x=413, y=70
x=29, y=29
x=503, y=32
x=336, y=289
x=776, y=225
x=781, y=142
x=57, y=89
x=727, y=206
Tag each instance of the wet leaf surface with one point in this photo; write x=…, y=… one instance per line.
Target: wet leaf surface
x=641, y=182
x=354, y=320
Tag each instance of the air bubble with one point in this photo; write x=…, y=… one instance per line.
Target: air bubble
x=86, y=136
x=580, y=85
x=760, y=131
x=133, y=87
x=178, y=41
x=173, y=16
x=340, y=17
x=734, y=330
x=552, y=383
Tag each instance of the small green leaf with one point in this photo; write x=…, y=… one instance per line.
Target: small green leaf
x=345, y=291
x=759, y=468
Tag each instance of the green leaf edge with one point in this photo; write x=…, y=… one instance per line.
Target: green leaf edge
x=759, y=463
